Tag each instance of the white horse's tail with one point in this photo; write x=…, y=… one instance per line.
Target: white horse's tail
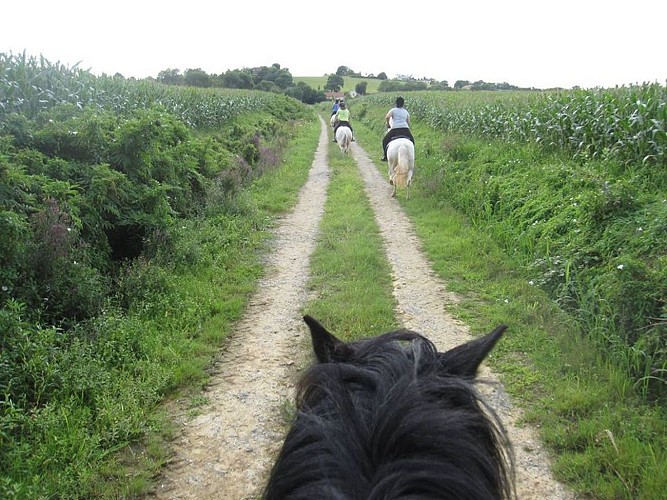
x=344, y=138
x=403, y=171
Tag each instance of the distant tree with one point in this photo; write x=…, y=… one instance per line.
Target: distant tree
x=265, y=85
x=482, y=85
x=459, y=84
x=382, y=76
x=304, y=93
x=283, y=79
x=280, y=77
x=443, y=85
x=265, y=72
x=396, y=86
x=415, y=86
x=343, y=71
x=335, y=83
x=237, y=79
x=506, y=86
x=360, y=88
x=196, y=78
x=170, y=77
x=387, y=86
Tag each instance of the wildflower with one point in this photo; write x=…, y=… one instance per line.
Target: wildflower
x=531, y=282
x=620, y=266
x=639, y=229
x=507, y=301
x=4, y=288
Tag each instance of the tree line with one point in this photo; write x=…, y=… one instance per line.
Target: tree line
x=272, y=78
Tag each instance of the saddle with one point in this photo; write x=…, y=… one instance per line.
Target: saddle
x=402, y=136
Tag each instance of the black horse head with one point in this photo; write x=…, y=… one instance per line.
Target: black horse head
x=391, y=417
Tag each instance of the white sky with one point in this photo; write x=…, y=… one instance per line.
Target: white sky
x=529, y=43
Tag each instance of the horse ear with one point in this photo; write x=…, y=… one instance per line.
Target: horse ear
x=326, y=346
x=465, y=359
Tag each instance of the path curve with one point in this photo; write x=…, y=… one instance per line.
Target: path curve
x=227, y=451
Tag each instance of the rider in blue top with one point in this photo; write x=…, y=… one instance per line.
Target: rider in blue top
x=334, y=109
x=398, y=123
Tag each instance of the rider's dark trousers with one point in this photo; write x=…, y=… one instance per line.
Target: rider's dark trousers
x=395, y=132
x=342, y=124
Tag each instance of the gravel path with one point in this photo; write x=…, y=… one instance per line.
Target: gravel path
x=227, y=450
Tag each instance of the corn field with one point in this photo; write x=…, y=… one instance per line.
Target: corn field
x=626, y=124
x=30, y=85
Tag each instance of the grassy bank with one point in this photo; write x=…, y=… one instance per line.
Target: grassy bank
x=99, y=432
x=230, y=278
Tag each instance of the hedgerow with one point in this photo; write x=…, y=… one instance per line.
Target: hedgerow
x=112, y=195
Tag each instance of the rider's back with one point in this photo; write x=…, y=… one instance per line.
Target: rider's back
x=399, y=118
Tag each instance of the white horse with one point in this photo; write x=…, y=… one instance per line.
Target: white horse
x=344, y=138
x=332, y=121
x=401, y=160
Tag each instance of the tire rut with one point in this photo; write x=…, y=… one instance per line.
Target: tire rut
x=226, y=451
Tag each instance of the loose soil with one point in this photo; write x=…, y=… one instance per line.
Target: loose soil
x=226, y=451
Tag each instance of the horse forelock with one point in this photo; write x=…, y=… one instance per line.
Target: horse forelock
x=389, y=423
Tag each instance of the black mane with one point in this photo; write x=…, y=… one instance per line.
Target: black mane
x=390, y=421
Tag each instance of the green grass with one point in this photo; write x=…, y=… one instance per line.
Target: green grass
x=350, y=274
x=276, y=193
x=349, y=83
x=105, y=434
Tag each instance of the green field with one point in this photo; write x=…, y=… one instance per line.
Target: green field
x=319, y=82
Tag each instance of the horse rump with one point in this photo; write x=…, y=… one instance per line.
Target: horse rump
x=401, y=163
x=391, y=417
x=344, y=138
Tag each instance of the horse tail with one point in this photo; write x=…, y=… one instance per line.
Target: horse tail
x=344, y=138
x=402, y=172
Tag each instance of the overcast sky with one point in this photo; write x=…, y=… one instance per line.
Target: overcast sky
x=529, y=43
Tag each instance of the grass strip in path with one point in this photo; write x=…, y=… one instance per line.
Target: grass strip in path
x=350, y=276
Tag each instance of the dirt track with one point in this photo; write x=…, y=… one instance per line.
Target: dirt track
x=226, y=452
